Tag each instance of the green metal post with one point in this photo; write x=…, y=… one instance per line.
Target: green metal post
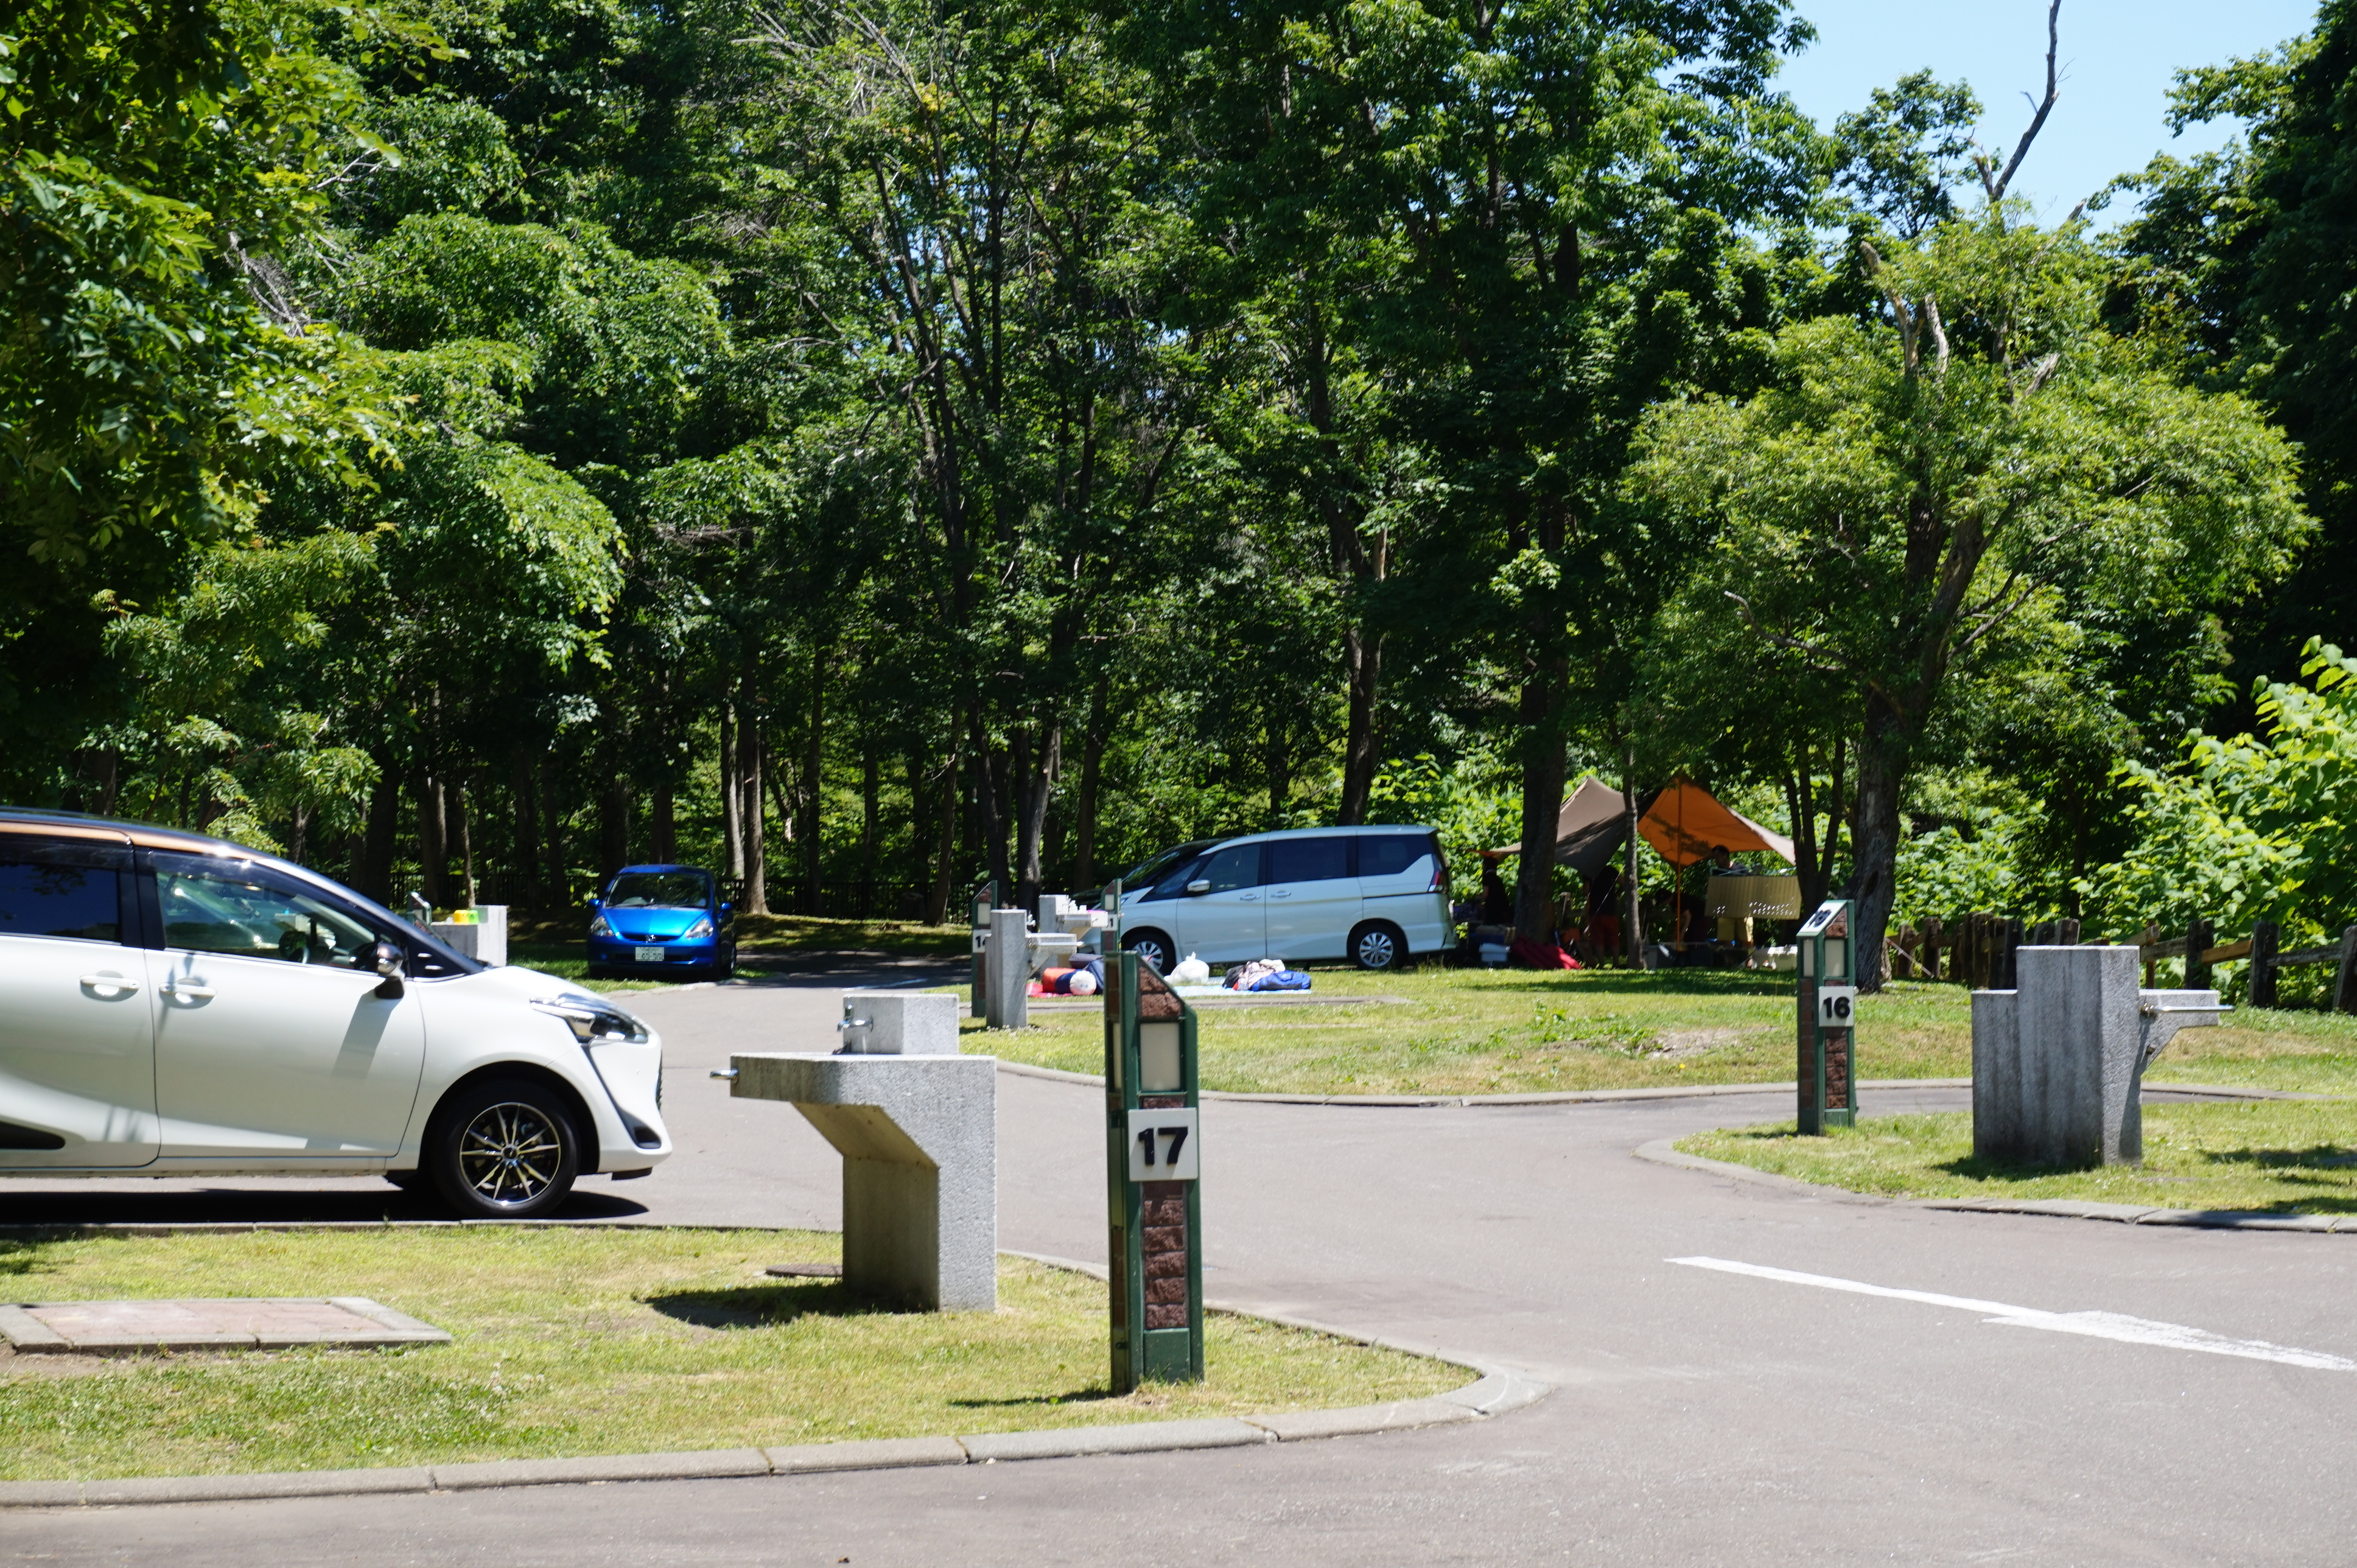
x=1828, y=1019
x=1154, y=1203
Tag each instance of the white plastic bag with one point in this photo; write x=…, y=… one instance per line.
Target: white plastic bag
x=1190, y=971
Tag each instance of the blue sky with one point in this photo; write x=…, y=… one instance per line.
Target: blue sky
x=2117, y=59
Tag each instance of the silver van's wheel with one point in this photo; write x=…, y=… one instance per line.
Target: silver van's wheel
x=505, y=1150
x=1152, y=948
x=1376, y=945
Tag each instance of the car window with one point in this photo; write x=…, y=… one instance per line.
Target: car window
x=61, y=888
x=659, y=890
x=1319, y=859
x=218, y=906
x=1232, y=868
x=1392, y=854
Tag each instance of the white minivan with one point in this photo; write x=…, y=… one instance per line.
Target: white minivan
x=1377, y=896
x=172, y=1005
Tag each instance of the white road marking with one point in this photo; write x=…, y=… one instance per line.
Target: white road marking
x=2095, y=1325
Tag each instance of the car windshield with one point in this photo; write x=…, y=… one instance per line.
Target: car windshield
x=660, y=890
x=1147, y=872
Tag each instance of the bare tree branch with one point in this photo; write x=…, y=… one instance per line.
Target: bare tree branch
x=1899, y=310
x=1939, y=333
x=1997, y=188
x=1821, y=660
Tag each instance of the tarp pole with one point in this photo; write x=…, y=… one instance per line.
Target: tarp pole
x=1632, y=938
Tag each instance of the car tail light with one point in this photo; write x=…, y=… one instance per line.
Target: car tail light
x=1440, y=870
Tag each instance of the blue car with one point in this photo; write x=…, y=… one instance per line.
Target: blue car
x=665, y=919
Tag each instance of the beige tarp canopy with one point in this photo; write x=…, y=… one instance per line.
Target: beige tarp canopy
x=1684, y=823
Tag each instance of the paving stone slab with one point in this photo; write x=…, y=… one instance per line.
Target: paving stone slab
x=227, y=1323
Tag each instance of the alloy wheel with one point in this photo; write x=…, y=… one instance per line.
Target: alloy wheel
x=1376, y=950
x=511, y=1153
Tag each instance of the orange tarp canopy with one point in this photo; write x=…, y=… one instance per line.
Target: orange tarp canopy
x=1685, y=823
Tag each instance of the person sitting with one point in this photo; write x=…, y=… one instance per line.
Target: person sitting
x=1497, y=901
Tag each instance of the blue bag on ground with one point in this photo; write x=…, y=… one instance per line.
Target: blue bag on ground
x=1282, y=980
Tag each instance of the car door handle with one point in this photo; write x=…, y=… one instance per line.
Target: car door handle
x=110, y=983
x=196, y=992
x=1247, y=897
x=1282, y=893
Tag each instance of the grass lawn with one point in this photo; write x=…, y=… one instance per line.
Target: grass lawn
x=576, y=1342
x=1469, y=1031
x=2279, y=1156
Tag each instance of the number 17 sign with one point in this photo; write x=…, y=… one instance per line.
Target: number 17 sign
x=1162, y=1146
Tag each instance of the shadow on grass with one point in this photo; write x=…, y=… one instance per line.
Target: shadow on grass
x=1036, y=1401
x=764, y=1306
x=1659, y=982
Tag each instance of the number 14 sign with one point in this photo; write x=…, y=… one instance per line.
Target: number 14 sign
x=1162, y=1146
x=1836, y=1006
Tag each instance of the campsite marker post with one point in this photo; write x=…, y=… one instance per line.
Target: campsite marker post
x=1828, y=1019
x=1152, y=1158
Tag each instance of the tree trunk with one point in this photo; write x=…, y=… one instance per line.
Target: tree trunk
x=754, y=828
x=1363, y=661
x=937, y=900
x=1037, y=780
x=811, y=795
x=1633, y=926
x=558, y=883
x=663, y=827
x=1836, y=795
x=871, y=808
x=433, y=849
x=1092, y=746
x=990, y=819
x=732, y=796
x=462, y=837
x=1800, y=810
x=1277, y=762
x=613, y=830
x=373, y=872
x=527, y=833
x=1874, y=882
x=1542, y=771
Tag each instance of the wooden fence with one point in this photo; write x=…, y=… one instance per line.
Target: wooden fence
x=1977, y=950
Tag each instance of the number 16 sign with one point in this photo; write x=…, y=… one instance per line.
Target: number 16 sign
x=1162, y=1146
x=1836, y=1006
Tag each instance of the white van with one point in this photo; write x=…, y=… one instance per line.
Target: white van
x=1377, y=896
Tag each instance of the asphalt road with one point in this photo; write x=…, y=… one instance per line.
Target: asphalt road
x=1699, y=1415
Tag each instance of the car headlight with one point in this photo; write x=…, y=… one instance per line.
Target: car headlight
x=598, y=928
x=703, y=928
x=590, y=1019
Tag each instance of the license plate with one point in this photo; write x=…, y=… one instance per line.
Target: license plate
x=647, y=955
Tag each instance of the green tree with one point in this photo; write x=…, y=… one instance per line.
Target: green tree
x=1914, y=504
x=2243, y=257
x=162, y=168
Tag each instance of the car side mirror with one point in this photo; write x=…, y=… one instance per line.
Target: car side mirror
x=1197, y=889
x=388, y=964
x=725, y=907
x=596, y=902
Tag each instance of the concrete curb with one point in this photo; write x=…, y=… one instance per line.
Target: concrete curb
x=1661, y=1154
x=1494, y=1392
